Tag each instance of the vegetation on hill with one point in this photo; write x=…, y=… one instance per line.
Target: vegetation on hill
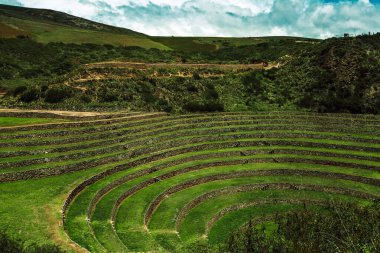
x=51, y=16
x=40, y=76
x=339, y=227
x=8, y=244
x=336, y=75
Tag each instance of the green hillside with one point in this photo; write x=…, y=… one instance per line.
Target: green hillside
x=51, y=26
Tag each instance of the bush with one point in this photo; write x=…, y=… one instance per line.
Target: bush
x=164, y=105
x=209, y=106
x=9, y=244
x=85, y=98
x=31, y=73
x=107, y=95
x=210, y=92
x=191, y=88
x=338, y=227
x=147, y=93
x=19, y=90
x=372, y=99
x=197, y=76
x=56, y=94
x=30, y=95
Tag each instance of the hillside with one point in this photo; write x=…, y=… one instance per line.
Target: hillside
x=45, y=57
x=52, y=26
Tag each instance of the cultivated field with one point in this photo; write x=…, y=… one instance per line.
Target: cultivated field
x=155, y=182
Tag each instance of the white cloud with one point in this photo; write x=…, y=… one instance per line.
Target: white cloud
x=311, y=18
x=74, y=7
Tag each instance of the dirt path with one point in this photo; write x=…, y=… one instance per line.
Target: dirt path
x=93, y=75
x=141, y=65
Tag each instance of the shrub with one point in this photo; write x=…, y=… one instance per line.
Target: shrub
x=9, y=244
x=19, y=90
x=197, y=76
x=127, y=96
x=191, y=88
x=31, y=73
x=210, y=92
x=30, y=95
x=337, y=228
x=107, y=95
x=147, y=91
x=56, y=94
x=164, y=105
x=372, y=99
x=209, y=106
x=85, y=98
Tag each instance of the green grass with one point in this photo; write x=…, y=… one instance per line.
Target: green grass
x=227, y=41
x=194, y=225
x=31, y=208
x=289, y=118
x=211, y=44
x=232, y=221
x=114, y=154
x=129, y=223
x=134, y=207
x=38, y=202
x=46, y=32
x=15, y=121
x=185, y=44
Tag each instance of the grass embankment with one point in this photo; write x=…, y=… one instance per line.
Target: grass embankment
x=13, y=121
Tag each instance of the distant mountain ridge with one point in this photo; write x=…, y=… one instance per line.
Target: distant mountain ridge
x=46, y=26
x=61, y=18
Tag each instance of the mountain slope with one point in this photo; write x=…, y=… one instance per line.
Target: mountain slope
x=51, y=26
x=46, y=26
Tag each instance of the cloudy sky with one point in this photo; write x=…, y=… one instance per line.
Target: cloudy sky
x=239, y=18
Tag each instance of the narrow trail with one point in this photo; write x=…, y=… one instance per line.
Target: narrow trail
x=92, y=73
x=141, y=65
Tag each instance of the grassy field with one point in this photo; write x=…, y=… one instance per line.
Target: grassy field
x=155, y=182
x=46, y=32
x=187, y=44
x=50, y=26
x=15, y=121
x=221, y=42
x=7, y=31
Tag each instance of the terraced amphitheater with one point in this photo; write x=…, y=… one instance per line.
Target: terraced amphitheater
x=153, y=182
